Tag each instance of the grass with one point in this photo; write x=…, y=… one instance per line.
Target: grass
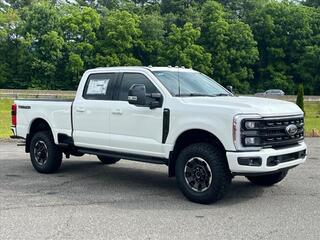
x=312, y=119
x=5, y=117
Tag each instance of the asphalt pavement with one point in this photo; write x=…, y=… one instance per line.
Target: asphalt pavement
x=131, y=200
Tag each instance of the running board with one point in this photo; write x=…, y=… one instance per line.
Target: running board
x=129, y=156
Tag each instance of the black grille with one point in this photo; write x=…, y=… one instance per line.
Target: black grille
x=273, y=133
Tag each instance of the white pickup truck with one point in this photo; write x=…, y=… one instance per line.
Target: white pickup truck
x=166, y=115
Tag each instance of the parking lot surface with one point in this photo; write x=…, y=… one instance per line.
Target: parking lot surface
x=131, y=200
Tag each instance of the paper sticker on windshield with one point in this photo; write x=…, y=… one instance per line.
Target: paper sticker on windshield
x=97, y=86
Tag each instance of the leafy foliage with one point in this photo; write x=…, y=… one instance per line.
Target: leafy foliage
x=182, y=50
x=231, y=44
x=250, y=44
x=300, y=97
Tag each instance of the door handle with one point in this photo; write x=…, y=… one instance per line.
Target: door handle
x=80, y=109
x=117, y=112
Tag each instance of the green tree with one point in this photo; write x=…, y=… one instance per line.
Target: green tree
x=151, y=41
x=232, y=46
x=242, y=8
x=75, y=67
x=311, y=3
x=11, y=58
x=300, y=97
x=42, y=44
x=250, y=44
x=182, y=49
x=16, y=4
x=7, y=24
x=283, y=31
x=80, y=27
x=119, y=35
x=309, y=64
x=309, y=69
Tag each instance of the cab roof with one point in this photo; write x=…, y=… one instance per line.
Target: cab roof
x=149, y=68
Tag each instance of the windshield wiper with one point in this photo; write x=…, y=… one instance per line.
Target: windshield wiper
x=193, y=95
x=222, y=94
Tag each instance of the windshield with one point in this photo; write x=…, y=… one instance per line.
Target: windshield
x=191, y=84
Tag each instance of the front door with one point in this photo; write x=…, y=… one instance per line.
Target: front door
x=135, y=129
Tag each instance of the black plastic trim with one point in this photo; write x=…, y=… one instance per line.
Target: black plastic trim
x=71, y=117
x=16, y=137
x=135, y=157
x=275, y=160
x=250, y=161
x=117, y=85
x=165, y=125
x=65, y=140
x=263, y=173
x=28, y=142
x=24, y=107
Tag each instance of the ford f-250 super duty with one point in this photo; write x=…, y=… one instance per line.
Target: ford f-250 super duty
x=166, y=115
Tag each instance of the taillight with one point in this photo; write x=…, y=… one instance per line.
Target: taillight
x=14, y=114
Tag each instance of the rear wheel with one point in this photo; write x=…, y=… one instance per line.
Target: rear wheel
x=108, y=160
x=268, y=180
x=45, y=155
x=202, y=173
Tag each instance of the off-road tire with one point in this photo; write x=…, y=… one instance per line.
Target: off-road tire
x=215, y=158
x=54, y=154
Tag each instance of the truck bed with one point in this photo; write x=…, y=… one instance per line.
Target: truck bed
x=46, y=100
x=54, y=111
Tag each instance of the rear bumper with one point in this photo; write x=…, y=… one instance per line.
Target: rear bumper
x=15, y=136
x=294, y=156
x=14, y=132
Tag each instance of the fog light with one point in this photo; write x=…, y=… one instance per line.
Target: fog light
x=253, y=141
x=250, y=161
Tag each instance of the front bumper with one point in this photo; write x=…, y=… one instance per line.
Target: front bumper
x=264, y=154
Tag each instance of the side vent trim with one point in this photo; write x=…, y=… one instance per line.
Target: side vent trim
x=165, y=125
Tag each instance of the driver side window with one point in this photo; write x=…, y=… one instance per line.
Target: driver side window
x=129, y=79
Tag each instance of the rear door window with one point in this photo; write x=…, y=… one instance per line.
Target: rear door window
x=99, y=86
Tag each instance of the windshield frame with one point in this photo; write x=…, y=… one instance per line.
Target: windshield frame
x=227, y=92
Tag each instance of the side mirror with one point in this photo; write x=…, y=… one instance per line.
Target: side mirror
x=156, y=100
x=137, y=95
x=230, y=89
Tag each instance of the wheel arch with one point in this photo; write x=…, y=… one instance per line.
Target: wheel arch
x=37, y=125
x=189, y=137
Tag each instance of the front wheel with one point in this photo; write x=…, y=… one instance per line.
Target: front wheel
x=268, y=180
x=202, y=173
x=45, y=155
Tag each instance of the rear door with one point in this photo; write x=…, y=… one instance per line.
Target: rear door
x=92, y=110
x=135, y=129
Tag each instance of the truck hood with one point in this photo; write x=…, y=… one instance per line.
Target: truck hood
x=263, y=106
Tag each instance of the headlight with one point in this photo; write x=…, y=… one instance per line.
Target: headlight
x=251, y=124
x=246, y=122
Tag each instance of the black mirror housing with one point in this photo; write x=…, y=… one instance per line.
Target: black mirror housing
x=157, y=100
x=137, y=95
x=230, y=89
